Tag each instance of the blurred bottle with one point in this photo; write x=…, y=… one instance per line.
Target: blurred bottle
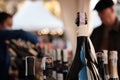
x=13, y=48
x=65, y=63
x=113, y=58
x=24, y=48
x=105, y=62
x=43, y=66
x=30, y=68
x=49, y=67
x=54, y=73
x=59, y=65
x=101, y=67
x=46, y=50
x=83, y=66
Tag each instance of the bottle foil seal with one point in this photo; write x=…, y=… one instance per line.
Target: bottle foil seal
x=82, y=30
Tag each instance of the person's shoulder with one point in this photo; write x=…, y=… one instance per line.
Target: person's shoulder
x=97, y=29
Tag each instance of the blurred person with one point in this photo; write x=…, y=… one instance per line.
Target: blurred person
x=107, y=35
x=7, y=34
x=59, y=42
x=47, y=41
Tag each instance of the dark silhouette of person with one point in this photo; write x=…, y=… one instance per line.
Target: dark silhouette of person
x=6, y=33
x=107, y=35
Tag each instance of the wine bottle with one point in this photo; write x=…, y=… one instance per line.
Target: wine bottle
x=49, y=66
x=46, y=50
x=43, y=66
x=105, y=62
x=54, y=73
x=101, y=67
x=24, y=50
x=84, y=63
x=59, y=65
x=65, y=62
x=15, y=47
x=44, y=75
x=30, y=68
x=113, y=57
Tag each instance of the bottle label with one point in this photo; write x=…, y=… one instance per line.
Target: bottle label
x=54, y=55
x=83, y=30
x=46, y=49
x=105, y=56
x=43, y=64
x=59, y=54
x=113, y=58
x=60, y=76
x=54, y=74
x=44, y=77
x=113, y=64
x=65, y=55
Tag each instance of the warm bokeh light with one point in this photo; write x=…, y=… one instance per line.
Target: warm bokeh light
x=59, y=31
x=45, y=31
x=53, y=6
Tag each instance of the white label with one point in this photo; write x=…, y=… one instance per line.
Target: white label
x=43, y=64
x=44, y=77
x=60, y=76
x=46, y=49
x=50, y=52
x=65, y=55
x=83, y=30
x=113, y=57
x=105, y=56
x=59, y=54
x=54, y=74
x=54, y=55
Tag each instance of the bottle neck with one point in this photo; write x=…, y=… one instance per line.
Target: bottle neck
x=82, y=30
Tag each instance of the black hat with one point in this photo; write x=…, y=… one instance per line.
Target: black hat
x=103, y=4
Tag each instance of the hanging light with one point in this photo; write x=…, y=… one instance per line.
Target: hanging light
x=45, y=31
x=59, y=31
x=53, y=32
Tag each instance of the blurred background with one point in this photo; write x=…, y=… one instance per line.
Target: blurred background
x=53, y=21
x=52, y=16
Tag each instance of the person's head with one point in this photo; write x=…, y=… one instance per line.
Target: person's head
x=106, y=12
x=5, y=20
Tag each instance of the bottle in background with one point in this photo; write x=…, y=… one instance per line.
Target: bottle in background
x=59, y=65
x=43, y=66
x=105, y=62
x=49, y=67
x=65, y=62
x=101, y=65
x=113, y=58
x=54, y=73
x=30, y=68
